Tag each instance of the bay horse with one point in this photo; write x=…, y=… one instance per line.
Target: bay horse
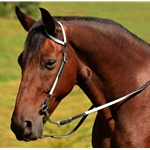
x=103, y=58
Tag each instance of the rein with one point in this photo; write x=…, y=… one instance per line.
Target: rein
x=44, y=109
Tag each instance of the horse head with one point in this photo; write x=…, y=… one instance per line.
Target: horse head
x=40, y=62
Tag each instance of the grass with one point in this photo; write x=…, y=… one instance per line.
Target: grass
x=132, y=15
x=11, y=44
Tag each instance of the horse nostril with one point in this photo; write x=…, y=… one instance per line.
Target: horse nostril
x=27, y=128
x=28, y=124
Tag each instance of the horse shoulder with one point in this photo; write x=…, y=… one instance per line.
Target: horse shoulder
x=104, y=123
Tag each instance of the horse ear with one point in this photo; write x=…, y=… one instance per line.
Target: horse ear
x=24, y=19
x=49, y=21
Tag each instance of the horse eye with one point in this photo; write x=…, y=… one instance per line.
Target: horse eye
x=50, y=64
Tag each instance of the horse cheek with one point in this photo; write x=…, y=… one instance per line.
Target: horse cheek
x=69, y=74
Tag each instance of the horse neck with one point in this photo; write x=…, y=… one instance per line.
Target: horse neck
x=107, y=55
x=111, y=64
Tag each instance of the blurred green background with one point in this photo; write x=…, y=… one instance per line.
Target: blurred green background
x=135, y=16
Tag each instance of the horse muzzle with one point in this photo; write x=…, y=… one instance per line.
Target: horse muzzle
x=27, y=129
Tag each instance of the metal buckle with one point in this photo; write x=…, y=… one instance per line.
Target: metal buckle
x=43, y=109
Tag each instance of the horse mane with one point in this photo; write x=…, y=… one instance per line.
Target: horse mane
x=37, y=33
x=34, y=40
x=99, y=20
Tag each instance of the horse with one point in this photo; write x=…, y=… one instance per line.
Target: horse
x=102, y=57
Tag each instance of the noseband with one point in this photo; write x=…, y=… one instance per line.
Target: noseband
x=44, y=109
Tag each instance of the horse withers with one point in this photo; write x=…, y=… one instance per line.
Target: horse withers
x=100, y=56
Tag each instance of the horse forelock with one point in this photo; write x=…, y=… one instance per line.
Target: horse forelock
x=34, y=40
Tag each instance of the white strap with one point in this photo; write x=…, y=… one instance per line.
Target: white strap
x=63, y=43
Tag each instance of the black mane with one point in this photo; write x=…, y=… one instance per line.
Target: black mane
x=82, y=18
x=34, y=40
